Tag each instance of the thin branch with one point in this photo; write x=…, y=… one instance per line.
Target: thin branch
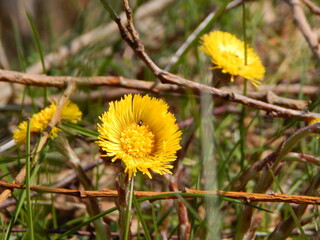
x=270, y=97
x=166, y=77
x=63, y=183
x=290, y=89
x=303, y=25
x=177, y=85
x=132, y=30
x=313, y=7
x=106, y=193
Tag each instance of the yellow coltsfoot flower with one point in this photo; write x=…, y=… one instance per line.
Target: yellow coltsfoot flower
x=40, y=121
x=227, y=53
x=315, y=120
x=141, y=132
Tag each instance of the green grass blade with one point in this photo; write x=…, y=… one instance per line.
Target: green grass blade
x=154, y=221
x=194, y=37
x=37, y=40
x=80, y=130
x=15, y=214
x=128, y=214
x=28, y=183
x=294, y=216
x=140, y=215
x=72, y=230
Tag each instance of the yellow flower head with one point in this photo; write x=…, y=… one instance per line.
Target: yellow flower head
x=315, y=120
x=40, y=121
x=141, y=132
x=227, y=53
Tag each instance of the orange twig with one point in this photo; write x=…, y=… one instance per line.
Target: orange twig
x=107, y=193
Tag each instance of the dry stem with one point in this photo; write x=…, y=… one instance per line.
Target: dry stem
x=106, y=193
x=178, y=85
x=166, y=77
x=303, y=25
x=314, y=8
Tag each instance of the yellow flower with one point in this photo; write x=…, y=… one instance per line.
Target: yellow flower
x=141, y=132
x=315, y=120
x=227, y=53
x=40, y=121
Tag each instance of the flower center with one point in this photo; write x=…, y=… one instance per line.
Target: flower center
x=137, y=140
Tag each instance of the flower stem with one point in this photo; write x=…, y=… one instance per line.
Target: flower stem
x=28, y=180
x=123, y=205
x=128, y=213
x=243, y=111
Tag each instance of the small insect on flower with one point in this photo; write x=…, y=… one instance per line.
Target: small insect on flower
x=227, y=53
x=141, y=132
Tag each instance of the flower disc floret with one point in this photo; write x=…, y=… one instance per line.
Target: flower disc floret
x=140, y=132
x=138, y=141
x=227, y=53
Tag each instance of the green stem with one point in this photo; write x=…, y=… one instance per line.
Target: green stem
x=244, y=27
x=243, y=111
x=293, y=214
x=123, y=203
x=28, y=179
x=128, y=213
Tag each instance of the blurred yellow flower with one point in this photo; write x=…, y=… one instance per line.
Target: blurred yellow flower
x=227, y=53
x=141, y=132
x=315, y=120
x=40, y=121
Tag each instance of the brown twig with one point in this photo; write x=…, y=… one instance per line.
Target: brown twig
x=314, y=8
x=179, y=86
x=303, y=25
x=113, y=81
x=270, y=97
x=284, y=227
x=63, y=183
x=53, y=122
x=273, y=165
x=291, y=89
x=166, y=77
x=106, y=193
